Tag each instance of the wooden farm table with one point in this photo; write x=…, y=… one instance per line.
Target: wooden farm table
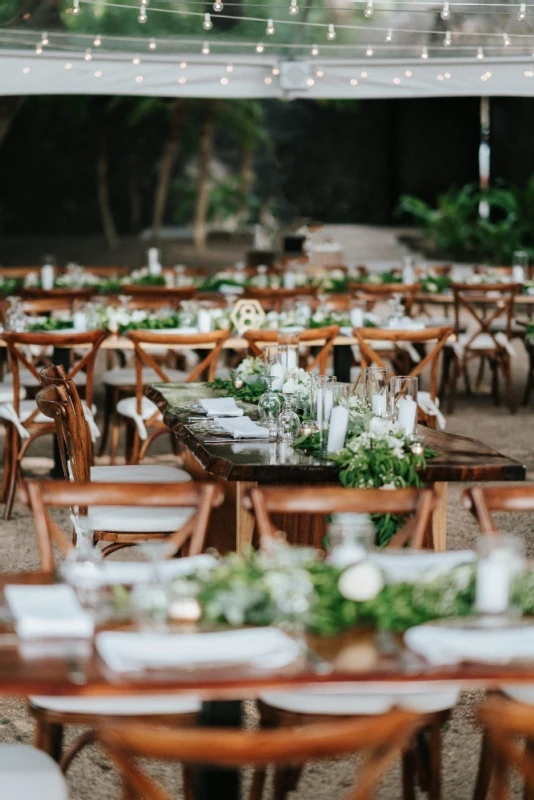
x=242, y=465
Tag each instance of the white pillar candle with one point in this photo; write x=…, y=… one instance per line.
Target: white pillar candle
x=289, y=280
x=339, y=420
x=356, y=317
x=292, y=358
x=407, y=414
x=493, y=585
x=79, y=321
x=47, y=277
x=204, y=320
x=278, y=373
x=518, y=274
x=319, y=407
x=154, y=266
x=379, y=405
x=328, y=404
x=408, y=274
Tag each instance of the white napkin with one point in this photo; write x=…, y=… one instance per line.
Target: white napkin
x=405, y=566
x=54, y=611
x=94, y=430
x=243, y=428
x=263, y=648
x=8, y=412
x=441, y=645
x=129, y=573
x=221, y=406
x=431, y=407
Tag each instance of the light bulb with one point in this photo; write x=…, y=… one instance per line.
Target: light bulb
x=139, y=79
x=369, y=10
x=181, y=81
x=259, y=48
x=224, y=81
x=142, y=18
x=480, y=53
x=88, y=54
x=152, y=45
x=68, y=66
x=389, y=35
x=229, y=67
x=275, y=71
x=75, y=7
x=331, y=33
x=98, y=73
x=136, y=60
x=206, y=49
x=424, y=53
x=218, y=6
x=353, y=81
x=207, y=24
x=293, y=8
x=183, y=64
x=506, y=40
x=44, y=39
x=522, y=13
x=396, y=81
x=270, y=29
x=268, y=80
x=445, y=11
x=319, y=73
x=447, y=41
x=314, y=50
x=310, y=82
x=38, y=50
x=98, y=41
x=408, y=73
x=369, y=52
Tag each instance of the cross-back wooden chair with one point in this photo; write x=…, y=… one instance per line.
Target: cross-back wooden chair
x=274, y=299
x=287, y=501
x=482, y=306
x=382, y=739
x=167, y=295
x=82, y=294
x=322, y=338
x=374, y=293
x=131, y=524
x=369, y=356
x=23, y=421
x=482, y=501
x=143, y=416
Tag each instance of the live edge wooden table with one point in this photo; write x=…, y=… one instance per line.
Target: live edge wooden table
x=244, y=464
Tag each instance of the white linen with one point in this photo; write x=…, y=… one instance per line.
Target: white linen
x=30, y=774
x=129, y=573
x=431, y=407
x=121, y=706
x=482, y=342
x=135, y=519
x=8, y=413
x=26, y=409
x=221, y=406
x=442, y=645
x=243, y=428
x=266, y=648
x=128, y=408
x=404, y=566
x=42, y=611
x=139, y=473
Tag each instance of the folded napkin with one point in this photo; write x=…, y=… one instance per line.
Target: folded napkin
x=129, y=573
x=243, y=428
x=442, y=645
x=263, y=648
x=221, y=406
x=54, y=611
x=405, y=566
x=431, y=407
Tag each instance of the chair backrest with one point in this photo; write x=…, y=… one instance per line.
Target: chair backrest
x=45, y=495
x=324, y=338
x=378, y=292
x=20, y=351
x=505, y=723
x=323, y=500
x=70, y=294
x=481, y=501
x=60, y=401
x=381, y=737
x=370, y=356
x=164, y=295
x=273, y=299
x=484, y=304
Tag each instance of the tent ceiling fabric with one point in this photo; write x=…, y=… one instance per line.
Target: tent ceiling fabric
x=328, y=49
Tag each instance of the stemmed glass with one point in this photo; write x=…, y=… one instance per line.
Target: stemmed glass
x=150, y=600
x=269, y=405
x=83, y=569
x=288, y=421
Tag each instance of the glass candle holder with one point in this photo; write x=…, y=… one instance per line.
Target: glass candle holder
x=275, y=359
x=290, y=340
x=324, y=397
x=501, y=559
x=403, y=397
x=377, y=390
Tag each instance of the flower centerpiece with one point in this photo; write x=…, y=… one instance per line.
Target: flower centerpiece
x=246, y=383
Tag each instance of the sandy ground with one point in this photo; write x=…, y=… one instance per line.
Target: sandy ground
x=91, y=776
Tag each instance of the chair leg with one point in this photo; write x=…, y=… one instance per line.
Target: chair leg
x=82, y=741
x=258, y=784
x=485, y=765
x=108, y=407
x=8, y=445
x=283, y=782
x=188, y=775
x=14, y=470
x=480, y=375
x=408, y=774
x=507, y=372
x=451, y=400
x=115, y=431
x=434, y=744
x=48, y=737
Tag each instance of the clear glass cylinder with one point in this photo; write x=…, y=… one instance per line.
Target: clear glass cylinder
x=403, y=398
x=377, y=390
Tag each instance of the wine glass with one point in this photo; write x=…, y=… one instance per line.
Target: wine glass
x=288, y=421
x=269, y=405
x=83, y=569
x=150, y=599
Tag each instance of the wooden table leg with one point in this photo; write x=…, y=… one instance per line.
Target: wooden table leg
x=439, y=517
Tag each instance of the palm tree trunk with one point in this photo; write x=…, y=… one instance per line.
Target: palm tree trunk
x=203, y=170
x=106, y=213
x=167, y=164
x=135, y=194
x=246, y=181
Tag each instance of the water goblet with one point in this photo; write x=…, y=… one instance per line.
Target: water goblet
x=288, y=421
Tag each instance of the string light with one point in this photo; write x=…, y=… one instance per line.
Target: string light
x=68, y=66
x=98, y=73
x=259, y=48
x=310, y=82
x=506, y=40
x=522, y=13
x=98, y=40
x=480, y=53
x=136, y=60
x=152, y=45
x=268, y=80
x=353, y=81
x=447, y=76
x=314, y=50
x=396, y=81
x=363, y=74
x=207, y=24
x=139, y=79
x=44, y=39
x=142, y=18
x=408, y=73
x=293, y=8
x=447, y=41
x=369, y=52
x=25, y=70
x=424, y=53
x=319, y=73
x=275, y=71
x=218, y=6
x=389, y=35
x=224, y=81
x=205, y=49
x=445, y=11
x=38, y=49
x=229, y=67
x=181, y=81
x=369, y=10
x=331, y=33
x=88, y=54
x=75, y=7
x=183, y=64
x=270, y=29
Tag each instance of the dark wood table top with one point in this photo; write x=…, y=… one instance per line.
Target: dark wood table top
x=459, y=459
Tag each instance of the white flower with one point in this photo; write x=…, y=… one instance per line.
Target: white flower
x=361, y=582
x=289, y=386
x=379, y=425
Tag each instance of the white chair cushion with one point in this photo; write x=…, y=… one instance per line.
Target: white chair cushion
x=354, y=699
x=135, y=519
x=522, y=693
x=139, y=473
x=28, y=379
x=128, y=408
x=125, y=376
x=30, y=774
x=27, y=407
x=6, y=392
x=135, y=705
